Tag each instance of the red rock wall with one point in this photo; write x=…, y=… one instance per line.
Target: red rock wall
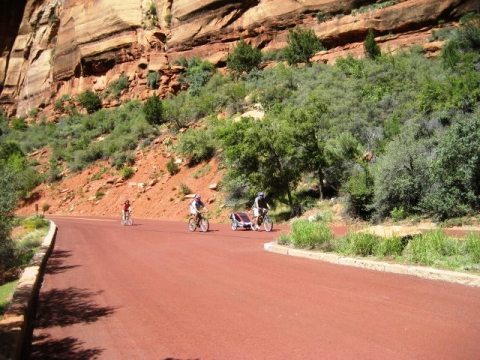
x=65, y=47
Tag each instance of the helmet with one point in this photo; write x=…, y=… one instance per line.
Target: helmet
x=261, y=194
x=198, y=197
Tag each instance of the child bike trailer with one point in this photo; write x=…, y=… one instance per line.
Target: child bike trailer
x=240, y=220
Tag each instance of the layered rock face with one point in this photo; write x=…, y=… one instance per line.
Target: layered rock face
x=55, y=47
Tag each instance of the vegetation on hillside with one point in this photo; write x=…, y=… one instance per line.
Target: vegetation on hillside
x=394, y=135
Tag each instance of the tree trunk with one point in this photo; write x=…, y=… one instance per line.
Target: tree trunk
x=321, y=177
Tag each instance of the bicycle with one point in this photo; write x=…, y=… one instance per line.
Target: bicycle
x=198, y=221
x=127, y=218
x=263, y=219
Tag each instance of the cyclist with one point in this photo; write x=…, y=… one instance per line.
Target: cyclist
x=126, y=209
x=259, y=206
x=196, y=206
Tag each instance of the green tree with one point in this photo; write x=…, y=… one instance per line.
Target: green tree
x=243, y=59
x=153, y=110
x=90, y=101
x=454, y=188
x=372, y=50
x=261, y=154
x=302, y=45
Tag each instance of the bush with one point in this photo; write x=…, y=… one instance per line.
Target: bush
x=321, y=16
x=391, y=246
x=372, y=50
x=310, y=235
x=198, y=73
x=184, y=189
x=428, y=248
x=362, y=244
x=198, y=145
x=153, y=79
x=45, y=208
x=454, y=186
x=19, y=124
x=360, y=191
x=473, y=247
x=90, y=101
x=172, y=167
x=116, y=87
x=153, y=110
x=302, y=45
x=127, y=172
x=283, y=239
x=243, y=59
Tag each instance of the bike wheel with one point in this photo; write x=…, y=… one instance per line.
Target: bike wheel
x=192, y=225
x=204, y=225
x=129, y=221
x=234, y=226
x=267, y=223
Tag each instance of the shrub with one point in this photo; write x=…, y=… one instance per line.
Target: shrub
x=184, y=189
x=198, y=73
x=310, y=235
x=116, y=87
x=127, y=172
x=321, y=16
x=473, y=246
x=45, y=208
x=362, y=244
x=90, y=101
x=427, y=248
x=398, y=213
x=243, y=59
x=153, y=110
x=153, y=79
x=372, y=50
x=455, y=174
x=302, y=45
x=172, y=167
x=391, y=246
x=196, y=144
x=19, y=124
x=284, y=239
x=360, y=191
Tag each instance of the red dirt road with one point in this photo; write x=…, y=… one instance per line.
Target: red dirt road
x=156, y=291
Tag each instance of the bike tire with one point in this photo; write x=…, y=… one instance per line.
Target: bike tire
x=234, y=226
x=267, y=224
x=204, y=225
x=192, y=226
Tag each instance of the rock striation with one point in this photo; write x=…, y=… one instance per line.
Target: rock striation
x=56, y=47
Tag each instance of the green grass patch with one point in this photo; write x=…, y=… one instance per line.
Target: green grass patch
x=310, y=235
x=35, y=222
x=6, y=292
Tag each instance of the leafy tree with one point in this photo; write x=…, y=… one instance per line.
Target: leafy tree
x=401, y=176
x=261, y=154
x=455, y=172
x=153, y=110
x=243, y=59
x=372, y=50
x=90, y=101
x=8, y=199
x=302, y=45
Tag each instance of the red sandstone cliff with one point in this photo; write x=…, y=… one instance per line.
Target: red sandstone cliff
x=55, y=47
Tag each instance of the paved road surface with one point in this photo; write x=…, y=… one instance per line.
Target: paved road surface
x=156, y=291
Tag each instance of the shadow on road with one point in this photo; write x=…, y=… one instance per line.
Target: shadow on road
x=55, y=262
x=44, y=347
x=69, y=306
